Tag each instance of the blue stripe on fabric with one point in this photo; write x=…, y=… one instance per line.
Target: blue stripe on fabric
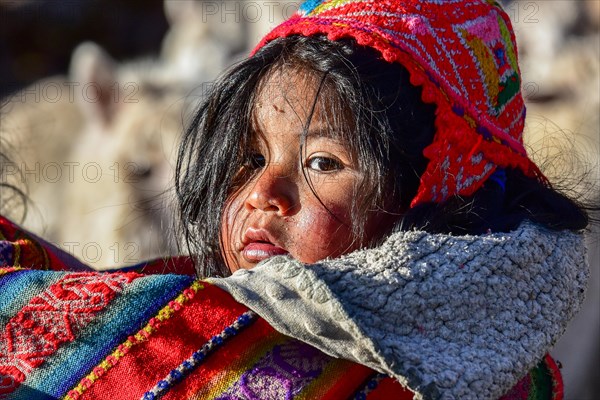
x=308, y=6
x=17, y=288
x=126, y=315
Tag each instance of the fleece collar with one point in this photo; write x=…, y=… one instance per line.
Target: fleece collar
x=451, y=317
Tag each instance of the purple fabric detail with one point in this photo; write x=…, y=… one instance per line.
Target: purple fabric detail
x=281, y=374
x=6, y=254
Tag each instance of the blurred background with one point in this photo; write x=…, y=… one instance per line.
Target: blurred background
x=95, y=94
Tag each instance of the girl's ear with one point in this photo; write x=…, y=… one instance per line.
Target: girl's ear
x=93, y=74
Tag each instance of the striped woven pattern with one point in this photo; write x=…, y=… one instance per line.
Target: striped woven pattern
x=195, y=342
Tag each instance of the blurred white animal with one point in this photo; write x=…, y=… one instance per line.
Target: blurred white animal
x=38, y=130
x=226, y=30
x=98, y=161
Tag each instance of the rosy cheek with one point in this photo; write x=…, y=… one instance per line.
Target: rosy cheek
x=317, y=234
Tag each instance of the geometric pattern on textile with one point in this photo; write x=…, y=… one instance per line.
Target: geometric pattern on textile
x=489, y=42
x=52, y=319
x=463, y=54
x=257, y=360
x=281, y=374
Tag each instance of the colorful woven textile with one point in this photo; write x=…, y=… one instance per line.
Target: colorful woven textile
x=78, y=336
x=464, y=55
x=126, y=335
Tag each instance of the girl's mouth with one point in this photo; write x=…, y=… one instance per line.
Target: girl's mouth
x=255, y=252
x=259, y=244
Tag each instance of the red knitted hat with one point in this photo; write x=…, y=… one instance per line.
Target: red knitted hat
x=463, y=54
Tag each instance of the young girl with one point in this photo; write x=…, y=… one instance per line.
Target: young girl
x=335, y=128
x=377, y=147
x=356, y=119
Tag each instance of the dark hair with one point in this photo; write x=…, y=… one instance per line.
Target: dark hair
x=387, y=126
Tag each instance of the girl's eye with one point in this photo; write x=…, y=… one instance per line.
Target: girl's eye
x=324, y=164
x=255, y=161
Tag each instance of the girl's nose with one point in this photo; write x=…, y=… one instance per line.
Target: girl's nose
x=273, y=191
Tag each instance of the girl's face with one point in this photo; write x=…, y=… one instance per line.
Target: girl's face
x=278, y=211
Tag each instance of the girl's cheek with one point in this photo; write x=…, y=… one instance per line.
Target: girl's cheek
x=317, y=234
